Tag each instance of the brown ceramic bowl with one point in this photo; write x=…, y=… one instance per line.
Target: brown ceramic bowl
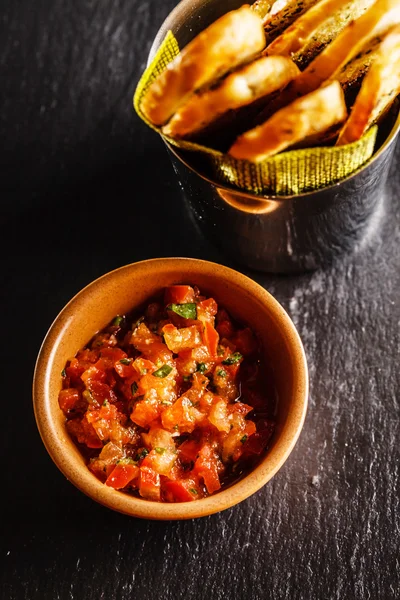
x=117, y=293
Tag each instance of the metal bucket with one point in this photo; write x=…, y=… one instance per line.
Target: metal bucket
x=273, y=233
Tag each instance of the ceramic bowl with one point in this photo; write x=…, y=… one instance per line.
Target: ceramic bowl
x=122, y=290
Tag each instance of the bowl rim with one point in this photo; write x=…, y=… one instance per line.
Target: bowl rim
x=137, y=507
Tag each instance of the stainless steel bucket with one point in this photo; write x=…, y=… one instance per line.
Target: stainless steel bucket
x=271, y=233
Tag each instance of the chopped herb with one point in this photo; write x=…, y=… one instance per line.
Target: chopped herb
x=243, y=439
x=125, y=461
x=187, y=311
x=63, y=373
x=134, y=388
x=125, y=361
x=162, y=371
x=221, y=373
x=142, y=454
x=233, y=359
x=87, y=394
x=220, y=351
x=187, y=377
x=193, y=491
x=176, y=428
x=202, y=367
x=117, y=320
x=143, y=371
x=137, y=323
x=106, y=403
x=160, y=450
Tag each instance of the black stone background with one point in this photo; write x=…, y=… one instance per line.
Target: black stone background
x=85, y=188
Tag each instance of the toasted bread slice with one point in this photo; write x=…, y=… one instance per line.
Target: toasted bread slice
x=282, y=14
x=379, y=89
x=331, y=27
x=307, y=116
x=352, y=73
x=262, y=7
x=242, y=87
x=381, y=15
x=322, y=23
x=233, y=39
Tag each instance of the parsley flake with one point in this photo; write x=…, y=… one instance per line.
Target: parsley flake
x=162, y=371
x=232, y=359
x=187, y=310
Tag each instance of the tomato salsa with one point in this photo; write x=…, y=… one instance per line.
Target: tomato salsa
x=172, y=403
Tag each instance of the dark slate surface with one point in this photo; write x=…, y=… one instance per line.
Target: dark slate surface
x=79, y=197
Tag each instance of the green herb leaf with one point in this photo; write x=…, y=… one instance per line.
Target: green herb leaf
x=176, y=428
x=244, y=439
x=125, y=361
x=117, y=320
x=160, y=450
x=63, y=373
x=187, y=311
x=193, y=491
x=162, y=371
x=137, y=323
x=202, y=367
x=221, y=373
x=220, y=351
x=125, y=461
x=142, y=454
x=134, y=388
x=187, y=377
x=233, y=359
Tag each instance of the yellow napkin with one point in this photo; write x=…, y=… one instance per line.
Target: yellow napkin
x=287, y=173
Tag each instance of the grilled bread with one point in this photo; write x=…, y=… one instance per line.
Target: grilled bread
x=241, y=88
x=233, y=39
x=305, y=117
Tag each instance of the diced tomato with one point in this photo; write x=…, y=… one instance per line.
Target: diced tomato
x=125, y=371
x=180, y=491
x=206, y=310
x=149, y=485
x=211, y=338
x=75, y=370
x=150, y=344
x=108, y=357
x=88, y=356
x=207, y=467
x=185, y=338
x=257, y=443
x=93, y=373
x=189, y=450
x=145, y=412
x=101, y=391
x=181, y=416
x=219, y=416
x=179, y=294
x=84, y=432
x=143, y=366
x=186, y=364
x=241, y=408
x=68, y=399
x=224, y=324
x=123, y=473
x=245, y=342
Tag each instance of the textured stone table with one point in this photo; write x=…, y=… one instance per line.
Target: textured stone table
x=79, y=197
